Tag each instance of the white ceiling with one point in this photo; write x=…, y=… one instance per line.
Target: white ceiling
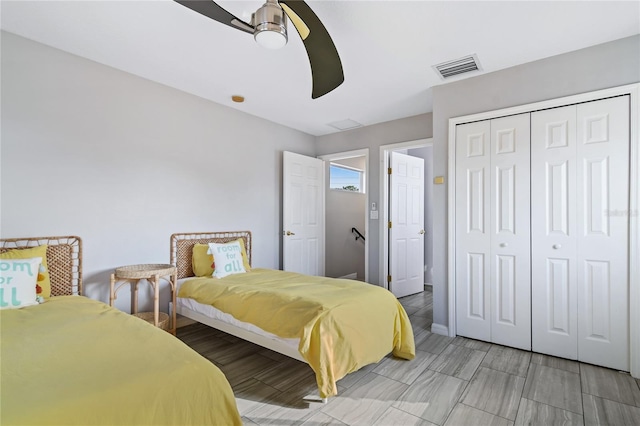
x=387, y=48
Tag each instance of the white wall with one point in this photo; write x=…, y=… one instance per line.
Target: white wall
x=344, y=255
x=598, y=67
x=124, y=162
x=353, y=162
x=372, y=137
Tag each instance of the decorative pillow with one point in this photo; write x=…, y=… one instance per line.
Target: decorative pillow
x=44, y=282
x=18, y=279
x=227, y=259
x=202, y=261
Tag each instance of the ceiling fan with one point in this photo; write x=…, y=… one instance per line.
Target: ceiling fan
x=269, y=28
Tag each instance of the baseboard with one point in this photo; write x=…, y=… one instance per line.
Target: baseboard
x=428, y=286
x=351, y=276
x=440, y=329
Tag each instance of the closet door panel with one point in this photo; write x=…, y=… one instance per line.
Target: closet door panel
x=553, y=232
x=510, y=232
x=472, y=228
x=603, y=233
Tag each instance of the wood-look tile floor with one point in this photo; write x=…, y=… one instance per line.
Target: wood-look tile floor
x=452, y=381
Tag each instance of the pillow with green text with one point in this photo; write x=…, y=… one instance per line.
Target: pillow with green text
x=202, y=260
x=227, y=259
x=18, y=278
x=44, y=283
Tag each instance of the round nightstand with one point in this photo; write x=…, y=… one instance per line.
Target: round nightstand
x=152, y=273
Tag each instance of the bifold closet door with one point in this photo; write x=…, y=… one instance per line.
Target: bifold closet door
x=580, y=178
x=554, y=328
x=603, y=232
x=493, y=231
x=473, y=238
x=510, y=232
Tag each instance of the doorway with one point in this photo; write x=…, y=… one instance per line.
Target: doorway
x=422, y=148
x=346, y=224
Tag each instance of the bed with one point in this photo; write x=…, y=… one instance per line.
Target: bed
x=336, y=326
x=76, y=361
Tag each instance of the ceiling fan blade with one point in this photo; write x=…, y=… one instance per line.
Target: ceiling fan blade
x=210, y=9
x=326, y=67
x=302, y=28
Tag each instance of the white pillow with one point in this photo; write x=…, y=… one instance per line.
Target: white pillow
x=227, y=259
x=18, y=278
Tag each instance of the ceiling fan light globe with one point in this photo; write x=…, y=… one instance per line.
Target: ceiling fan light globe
x=270, y=38
x=270, y=25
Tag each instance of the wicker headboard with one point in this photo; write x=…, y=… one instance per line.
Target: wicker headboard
x=182, y=247
x=64, y=260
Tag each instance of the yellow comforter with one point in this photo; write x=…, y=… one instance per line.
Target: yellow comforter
x=342, y=325
x=76, y=361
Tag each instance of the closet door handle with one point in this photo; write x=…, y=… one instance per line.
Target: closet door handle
x=503, y=244
x=556, y=246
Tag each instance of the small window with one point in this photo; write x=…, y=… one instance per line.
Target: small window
x=345, y=178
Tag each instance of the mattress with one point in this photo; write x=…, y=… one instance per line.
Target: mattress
x=211, y=312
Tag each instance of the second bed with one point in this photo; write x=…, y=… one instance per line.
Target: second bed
x=336, y=326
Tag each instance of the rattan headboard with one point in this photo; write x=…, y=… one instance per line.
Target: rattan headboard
x=182, y=247
x=64, y=260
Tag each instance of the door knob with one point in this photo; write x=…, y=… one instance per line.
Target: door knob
x=291, y=233
x=556, y=246
x=421, y=232
x=503, y=244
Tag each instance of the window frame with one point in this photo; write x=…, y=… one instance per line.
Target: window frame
x=361, y=173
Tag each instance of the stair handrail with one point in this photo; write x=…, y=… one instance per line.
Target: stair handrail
x=358, y=234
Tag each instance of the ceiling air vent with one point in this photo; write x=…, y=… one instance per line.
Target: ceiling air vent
x=459, y=66
x=345, y=124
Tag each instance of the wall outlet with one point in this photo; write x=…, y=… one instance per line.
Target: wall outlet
x=373, y=214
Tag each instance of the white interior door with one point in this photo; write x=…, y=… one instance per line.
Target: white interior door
x=303, y=214
x=603, y=232
x=554, y=327
x=473, y=236
x=510, y=231
x=406, y=230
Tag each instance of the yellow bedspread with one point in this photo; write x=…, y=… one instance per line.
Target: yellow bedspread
x=342, y=325
x=76, y=361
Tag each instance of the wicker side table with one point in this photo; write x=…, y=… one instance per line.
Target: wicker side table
x=152, y=273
